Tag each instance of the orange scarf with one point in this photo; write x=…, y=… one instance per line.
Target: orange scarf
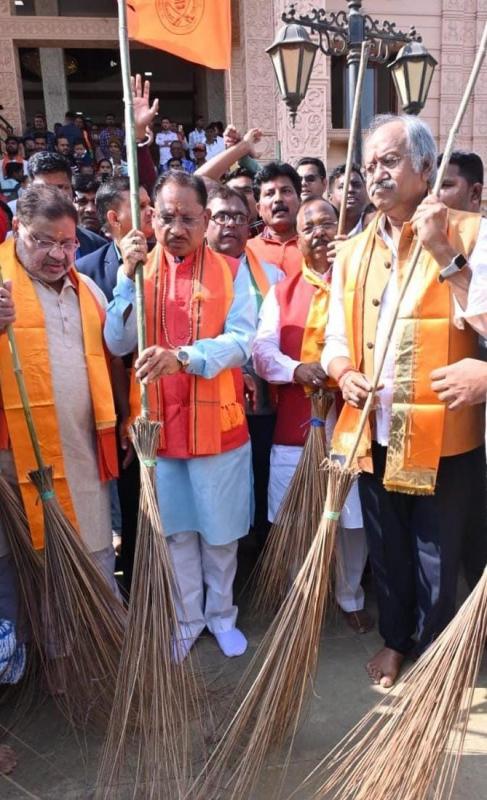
x=31, y=337
x=213, y=402
x=314, y=332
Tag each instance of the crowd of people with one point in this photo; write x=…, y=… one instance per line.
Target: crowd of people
x=253, y=301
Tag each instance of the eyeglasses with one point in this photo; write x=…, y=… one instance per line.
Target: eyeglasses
x=67, y=247
x=387, y=162
x=309, y=178
x=328, y=227
x=168, y=220
x=226, y=217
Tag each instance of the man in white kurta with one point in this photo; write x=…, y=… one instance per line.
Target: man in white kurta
x=277, y=358
x=46, y=248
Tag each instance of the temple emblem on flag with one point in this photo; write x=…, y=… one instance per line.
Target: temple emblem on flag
x=180, y=16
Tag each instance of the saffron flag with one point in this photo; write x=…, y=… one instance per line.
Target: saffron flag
x=197, y=30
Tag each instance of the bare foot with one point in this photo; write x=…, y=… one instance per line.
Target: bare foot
x=385, y=666
x=8, y=759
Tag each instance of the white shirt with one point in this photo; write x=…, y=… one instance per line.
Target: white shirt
x=163, y=140
x=269, y=362
x=336, y=344
x=218, y=146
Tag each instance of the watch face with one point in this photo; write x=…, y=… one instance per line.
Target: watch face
x=460, y=261
x=183, y=358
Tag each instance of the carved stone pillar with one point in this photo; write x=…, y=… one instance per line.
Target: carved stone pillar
x=53, y=73
x=11, y=96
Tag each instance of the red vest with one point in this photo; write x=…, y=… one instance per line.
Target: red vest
x=293, y=407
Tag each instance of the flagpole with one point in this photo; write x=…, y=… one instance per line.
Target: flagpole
x=131, y=149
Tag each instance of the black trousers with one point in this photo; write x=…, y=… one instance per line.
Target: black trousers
x=415, y=546
x=261, y=429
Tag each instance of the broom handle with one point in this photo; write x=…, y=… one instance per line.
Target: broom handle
x=131, y=148
x=24, y=397
x=418, y=248
x=354, y=124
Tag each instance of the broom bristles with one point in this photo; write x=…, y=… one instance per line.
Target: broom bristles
x=272, y=706
x=84, y=620
x=155, y=696
x=410, y=744
x=297, y=520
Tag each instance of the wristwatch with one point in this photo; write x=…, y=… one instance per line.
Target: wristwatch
x=456, y=265
x=183, y=358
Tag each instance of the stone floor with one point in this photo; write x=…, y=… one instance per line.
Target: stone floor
x=54, y=765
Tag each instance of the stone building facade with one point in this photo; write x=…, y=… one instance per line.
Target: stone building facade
x=247, y=94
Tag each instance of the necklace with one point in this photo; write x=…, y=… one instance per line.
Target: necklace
x=163, y=309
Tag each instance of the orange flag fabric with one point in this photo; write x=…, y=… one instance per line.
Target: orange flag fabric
x=197, y=30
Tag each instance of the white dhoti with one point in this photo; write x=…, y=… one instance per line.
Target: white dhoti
x=351, y=546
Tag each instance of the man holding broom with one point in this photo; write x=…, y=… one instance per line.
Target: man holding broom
x=57, y=318
x=201, y=320
x=286, y=352
x=419, y=458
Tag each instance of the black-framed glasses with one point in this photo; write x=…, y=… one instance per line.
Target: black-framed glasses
x=226, y=217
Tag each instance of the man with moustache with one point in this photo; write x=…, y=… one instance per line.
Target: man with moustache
x=279, y=189
x=201, y=321
x=287, y=352
x=419, y=457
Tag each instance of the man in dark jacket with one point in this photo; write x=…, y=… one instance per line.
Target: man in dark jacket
x=112, y=202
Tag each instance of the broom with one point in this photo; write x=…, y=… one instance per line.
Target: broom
x=409, y=746
x=288, y=654
x=155, y=695
x=83, y=620
x=297, y=519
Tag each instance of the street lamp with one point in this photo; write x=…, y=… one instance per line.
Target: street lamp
x=342, y=33
x=412, y=72
x=293, y=54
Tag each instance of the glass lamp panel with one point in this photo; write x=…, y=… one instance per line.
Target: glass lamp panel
x=428, y=74
x=401, y=86
x=277, y=63
x=415, y=75
x=306, y=68
x=290, y=61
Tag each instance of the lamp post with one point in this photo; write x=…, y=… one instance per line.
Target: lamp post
x=342, y=33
